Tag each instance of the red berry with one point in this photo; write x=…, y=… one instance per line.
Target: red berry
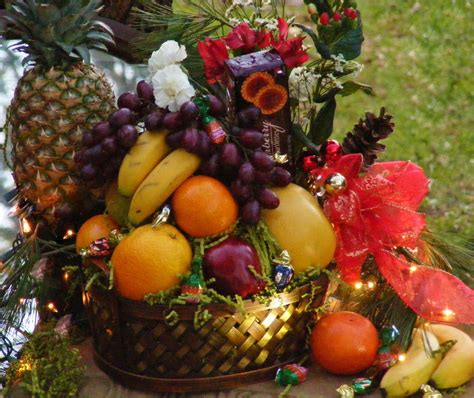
x=324, y=18
x=331, y=151
x=337, y=17
x=350, y=13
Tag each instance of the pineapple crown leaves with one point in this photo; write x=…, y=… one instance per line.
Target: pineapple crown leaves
x=57, y=32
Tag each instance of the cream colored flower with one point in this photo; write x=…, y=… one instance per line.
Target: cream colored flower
x=169, y=53
x=172, y=88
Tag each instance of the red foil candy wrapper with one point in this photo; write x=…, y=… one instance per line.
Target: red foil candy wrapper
x=100, y=248
x=261, y=79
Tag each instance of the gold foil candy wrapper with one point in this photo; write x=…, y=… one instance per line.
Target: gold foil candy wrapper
x=345, y=391
x=430, y=392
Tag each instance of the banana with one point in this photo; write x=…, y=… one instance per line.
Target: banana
x=406, y=378
x=457, y=367
x=164, y=179
x=148, y=151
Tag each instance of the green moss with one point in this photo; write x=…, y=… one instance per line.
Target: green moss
x=48, y=367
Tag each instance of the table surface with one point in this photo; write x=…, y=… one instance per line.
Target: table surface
x=320, y=384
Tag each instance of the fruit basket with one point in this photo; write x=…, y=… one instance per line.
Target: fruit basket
x=136, y=345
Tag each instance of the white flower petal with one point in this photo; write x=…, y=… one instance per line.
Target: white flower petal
x=169, y=53
x=171, y=87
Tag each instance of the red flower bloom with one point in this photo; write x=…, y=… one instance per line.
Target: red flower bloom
x=291, y=51
x=246, y=39
x=324, y=18
x=214, y=53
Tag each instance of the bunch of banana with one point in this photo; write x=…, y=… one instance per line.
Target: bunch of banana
x=423, y=364
x=151, y=171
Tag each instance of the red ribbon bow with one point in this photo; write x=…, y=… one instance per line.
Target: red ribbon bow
x=376, y=214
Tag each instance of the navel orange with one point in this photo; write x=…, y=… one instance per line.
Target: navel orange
x=344, y=343
x=96, y=227
x=203, y=206
x=149, y=260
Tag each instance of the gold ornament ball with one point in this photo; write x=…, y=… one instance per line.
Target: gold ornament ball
x=335, y=184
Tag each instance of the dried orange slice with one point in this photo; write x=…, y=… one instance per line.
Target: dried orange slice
x=271, y=99
x=254, y=84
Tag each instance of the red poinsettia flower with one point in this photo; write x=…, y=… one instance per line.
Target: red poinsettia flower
x=246, y=39
x=214, y=53
x=291, y=51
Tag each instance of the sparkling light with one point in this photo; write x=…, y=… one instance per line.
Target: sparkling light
x=22, y=300
x=448, y=313
x=69, y=234
x=50, y=306
x=371, y=284
x=358, y=285
x=413, y=268
x=402, y=357
x=66, y=276
x=25, y=226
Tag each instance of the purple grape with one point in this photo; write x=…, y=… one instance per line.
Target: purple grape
x=102, y=130
x=247, y=173
x=263, y=177
x=127, y=135
x=172, y=121
x=88, y=139
x=230, y=155
x=241, y=192
x=281, y=177
x=122, y=117
x=130, y=101
x=250, y=212
x=154, y=120
x=110, y=145
x=145, y=91
x=189, y=111
x=204, y=145
x=249, y=116
x=267, y=198
x=251, y=138
x=262, y=161
x=93, y=154
x=88, y=172
x=79, y=157
x=211, y=166
x=235, y=130
x=216, y=106
x=174, y=139
x=190, y=140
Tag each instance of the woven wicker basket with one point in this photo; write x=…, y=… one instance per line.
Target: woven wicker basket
x=135, y=345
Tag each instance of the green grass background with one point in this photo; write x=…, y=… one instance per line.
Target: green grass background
x=418, y=57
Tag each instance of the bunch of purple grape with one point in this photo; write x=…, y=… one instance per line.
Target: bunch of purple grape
x=248, y=168
x=104, y=147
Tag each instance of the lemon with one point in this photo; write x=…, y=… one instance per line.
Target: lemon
x=150, y=260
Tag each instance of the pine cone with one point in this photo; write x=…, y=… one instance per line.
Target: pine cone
x=366, y=134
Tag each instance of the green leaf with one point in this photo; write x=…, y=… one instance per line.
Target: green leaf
x=350, y=87
x=322, y=126
x=83, y=52
x=300, y=136
x=349, y=42
x=321, y=48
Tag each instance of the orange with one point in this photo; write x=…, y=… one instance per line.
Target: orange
x=344, y=343
x=203, y=206
x=150, y=260
x=94, y=228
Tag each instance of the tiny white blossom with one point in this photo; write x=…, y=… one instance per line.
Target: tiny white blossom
x=302, y=83
x=339, y=62
x=172, y=88
x=169, y=53
x=270, y=24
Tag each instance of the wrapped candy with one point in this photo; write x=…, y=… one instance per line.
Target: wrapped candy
x=345, y=391
x=98, y=248
x=193, y=285
x=291, y=375
x=214, y=130
x=430, y=392
x=283, y=272
x=362, y=385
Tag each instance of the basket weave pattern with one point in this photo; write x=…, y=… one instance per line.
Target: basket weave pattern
x=136, y=338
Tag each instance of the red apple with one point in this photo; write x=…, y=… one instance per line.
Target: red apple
x=228, y=262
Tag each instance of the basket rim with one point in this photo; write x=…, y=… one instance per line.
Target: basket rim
x=143, y=310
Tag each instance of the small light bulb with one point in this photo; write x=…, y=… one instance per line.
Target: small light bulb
x=448, y=313
x=22, y=300
x=51, y=307
x=69, y=234
x=358, y=285
x=371, y=284
x=25, y=226
x=402, y=357
x=413, y=268
x=66, y=276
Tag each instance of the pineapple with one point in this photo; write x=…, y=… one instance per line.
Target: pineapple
x=60, y=96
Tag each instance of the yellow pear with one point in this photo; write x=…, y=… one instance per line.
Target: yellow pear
x=300, y=227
